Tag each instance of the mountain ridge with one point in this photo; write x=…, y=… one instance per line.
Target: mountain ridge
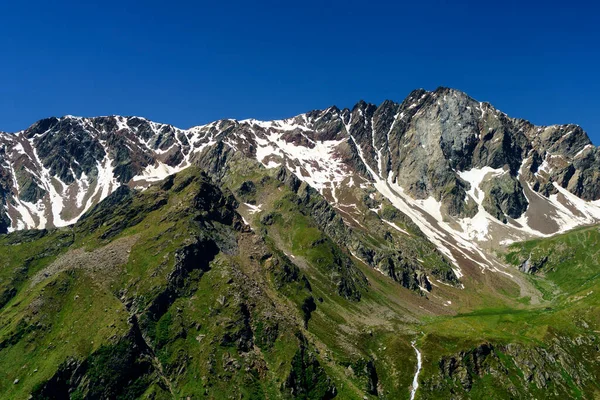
x=335, y=107
x=459, y=168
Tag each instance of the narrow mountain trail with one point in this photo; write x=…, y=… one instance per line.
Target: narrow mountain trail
x=415, y=384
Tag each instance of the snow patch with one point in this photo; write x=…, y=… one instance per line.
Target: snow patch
x=252, y=209
x=393, y=225
x=156, y=172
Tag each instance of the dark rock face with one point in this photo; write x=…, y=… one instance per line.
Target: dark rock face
x=308, y=306
x=372, y=378
x=307, y=379
x=584, y=180
x=5, y=189
x=215, y=205
x=538, y=370
x=196, y=255
x=30, y=191
x=65, y=147
x=468, y=365
x=115, y=371
x=214, y=160
x=532, y=265
x=504, y=197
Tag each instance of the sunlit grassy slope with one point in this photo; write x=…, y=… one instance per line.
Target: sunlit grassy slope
x=168, y=293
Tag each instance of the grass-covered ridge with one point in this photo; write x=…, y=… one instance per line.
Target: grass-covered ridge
x=199, y=303
x=570, y=261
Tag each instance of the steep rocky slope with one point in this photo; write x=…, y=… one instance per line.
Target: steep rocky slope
x=468, y=175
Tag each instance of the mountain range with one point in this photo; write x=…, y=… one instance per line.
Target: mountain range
x=328, y=254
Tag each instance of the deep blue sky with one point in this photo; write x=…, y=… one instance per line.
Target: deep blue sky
x=188, y=63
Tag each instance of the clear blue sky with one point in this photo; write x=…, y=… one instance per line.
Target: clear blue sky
x=188, y=63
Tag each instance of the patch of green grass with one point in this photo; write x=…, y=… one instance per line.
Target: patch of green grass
x=570, y=261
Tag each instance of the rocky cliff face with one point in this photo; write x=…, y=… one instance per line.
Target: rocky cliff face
x=463, y=171
x=513, y=370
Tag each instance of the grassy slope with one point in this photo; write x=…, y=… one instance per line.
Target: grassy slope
x=348, y=332
x=489, y=312
x=84, y=312
x=73, y=315
x=570, y=284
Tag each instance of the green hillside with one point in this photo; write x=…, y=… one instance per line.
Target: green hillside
x=243, y=283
